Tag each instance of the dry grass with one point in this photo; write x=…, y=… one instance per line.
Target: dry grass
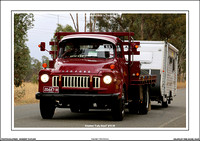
x=181, y=85
x=25, y=94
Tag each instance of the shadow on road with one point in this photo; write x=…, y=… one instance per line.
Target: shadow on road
x=91, y=115
x=156, y=107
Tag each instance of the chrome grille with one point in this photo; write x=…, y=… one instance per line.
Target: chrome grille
x=96, y=82
x=55, y=81
x=76, y=81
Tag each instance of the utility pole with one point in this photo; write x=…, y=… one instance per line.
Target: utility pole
x=73, y=22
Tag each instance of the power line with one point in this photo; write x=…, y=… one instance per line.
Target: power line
x=44, y=16
x=56, y=15
x=52, y=16
x=39, y=30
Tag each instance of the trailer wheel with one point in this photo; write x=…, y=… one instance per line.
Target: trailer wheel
x=118, y=108
x=144, y=106
x=47, y=108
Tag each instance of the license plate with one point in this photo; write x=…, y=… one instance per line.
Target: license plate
x=49, y=89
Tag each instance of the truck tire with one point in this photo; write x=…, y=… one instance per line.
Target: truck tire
x=118, y=108
x=75, y=108
x=164, y=104
x=133, y=108
x=47, y=108
x=144, y=106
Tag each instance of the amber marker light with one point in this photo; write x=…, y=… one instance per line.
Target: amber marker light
x=136, y=46
x=137, y=74
x=44, y=65
x=112, y=66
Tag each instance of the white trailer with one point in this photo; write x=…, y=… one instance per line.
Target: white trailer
x=160, y=58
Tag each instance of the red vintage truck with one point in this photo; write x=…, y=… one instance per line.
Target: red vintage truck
x=89, y=71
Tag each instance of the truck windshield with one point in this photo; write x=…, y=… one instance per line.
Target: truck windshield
x=86, y=48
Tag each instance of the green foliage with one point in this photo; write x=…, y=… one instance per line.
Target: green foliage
x=61, y=28
x=34, y=78
x=22, y=61
x=36, y=66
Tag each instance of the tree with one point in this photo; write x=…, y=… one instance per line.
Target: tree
x=22, y=62
x=61, y=28
x=36, y=66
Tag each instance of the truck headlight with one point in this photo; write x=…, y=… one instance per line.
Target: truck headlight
x=44, y=78
x=107, y=79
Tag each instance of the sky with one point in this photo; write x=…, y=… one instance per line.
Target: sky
x=44, y=27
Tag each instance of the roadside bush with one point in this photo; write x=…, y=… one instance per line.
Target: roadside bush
x=25, y=94
x=34, y=79
x=19, y=92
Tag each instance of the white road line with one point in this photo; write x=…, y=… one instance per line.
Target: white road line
x=172, y=120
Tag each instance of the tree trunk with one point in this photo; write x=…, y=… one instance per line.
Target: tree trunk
x=90, y=24
x=142, y=27
x=73, y=22
x=94, y=23
x=77, y=22
x=85, y=22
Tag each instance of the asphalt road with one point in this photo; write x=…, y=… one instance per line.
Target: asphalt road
x=28, y=116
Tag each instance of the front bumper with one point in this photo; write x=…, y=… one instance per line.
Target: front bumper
x=76, y=97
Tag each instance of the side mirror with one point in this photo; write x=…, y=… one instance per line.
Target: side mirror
x=42, y=46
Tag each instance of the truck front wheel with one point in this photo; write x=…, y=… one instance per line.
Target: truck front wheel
x=47, y=108
x=118, y=108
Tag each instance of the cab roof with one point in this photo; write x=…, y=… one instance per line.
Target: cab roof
x=109, y=38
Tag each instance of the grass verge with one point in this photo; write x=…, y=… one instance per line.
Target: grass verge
x=25, y=94
x=181, y=85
